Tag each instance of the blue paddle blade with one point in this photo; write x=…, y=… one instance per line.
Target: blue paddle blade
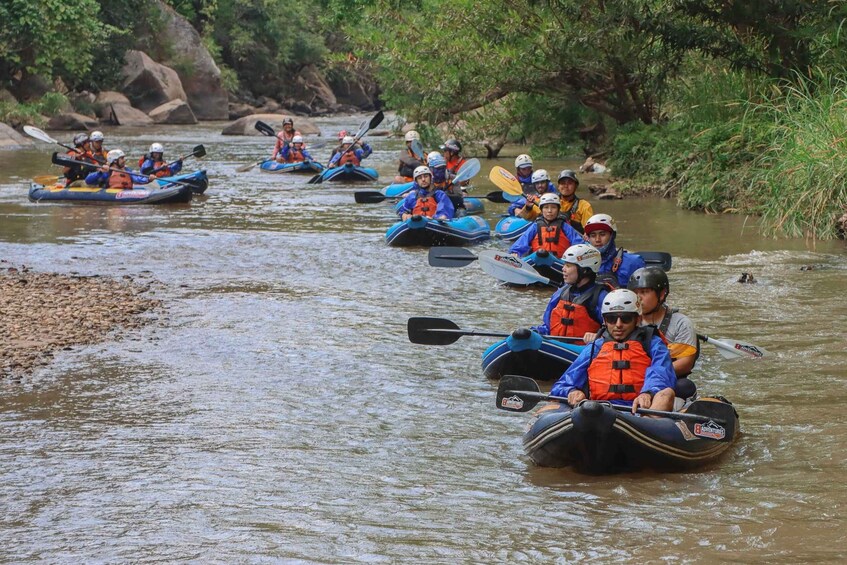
x=467, y=171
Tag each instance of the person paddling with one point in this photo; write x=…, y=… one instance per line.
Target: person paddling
x=408, y=160
x=295, y=152
x=575, y=309
x=155, y=159
x=526, y=207
x=628, y=365
x=618, y=264
x=441, y=181
x=652, y=287
x=452, y=150
x=523, y=170
x=574, y=209
x=80, y=152
x=425, y=200
x=97, y=151
x=350, y=152
x=284, y=137
x=122, y=177
x=550, y=232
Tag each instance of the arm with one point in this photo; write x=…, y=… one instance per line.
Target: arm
x=583, y=212
x=659, y=375
x=147, y=167
x=544, y=328
x=277, y=147
x=445, y=209
x=573, y=236
x=514, y=206
x=365, y=151
x=95, y=178
x=408, y=204
x=139, y=179
x=524, y=243
x=576, y=377
x=175, y=168
x=684, y=345
x=285, y=152
x=307, y=155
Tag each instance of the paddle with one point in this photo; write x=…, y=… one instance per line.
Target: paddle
x=467, y=171
x=41, y=135
x=510, y=397
x=441, y=331
x=732, y=349
x=452, y=257
x=198, y=151
x=375, y=121
x=505, y=181
x=373, y=197
x=67, y=162
x=418, y=150
x=264, y=128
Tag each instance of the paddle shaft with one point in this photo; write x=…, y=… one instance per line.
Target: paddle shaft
x=60, y=160
x=461, y=332
x=184, y=157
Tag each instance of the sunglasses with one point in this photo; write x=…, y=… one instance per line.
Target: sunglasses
x=626, y=318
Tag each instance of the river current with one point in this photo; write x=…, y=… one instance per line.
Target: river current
x=275, y=410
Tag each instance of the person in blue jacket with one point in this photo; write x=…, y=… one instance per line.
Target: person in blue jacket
x=627, y=365
x=115, y=173
x=153, y=163
x=618, y=264
x=295, y=152
x=350, y=152
x=539, y=185
x=523, y=170
x=565, y=235
x=425, y=200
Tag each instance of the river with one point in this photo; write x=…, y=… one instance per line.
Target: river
x=276, y=410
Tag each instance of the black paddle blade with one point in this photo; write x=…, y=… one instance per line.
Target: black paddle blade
x=657, y=258
x=264, y=128
x=496, y=196
x=199, y=151
x=721, y=428
x=450, y=257
x=317, y=179
x=376, y=120
x=517, y=394
x=368, y=197
x=425, y=331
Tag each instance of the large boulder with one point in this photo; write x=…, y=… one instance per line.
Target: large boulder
x=200, y=76
x=355, y=90
x=123, y=115
x=10, y=138
x=247, y=124
x=148, y=84
x=311, y=87
x=71, y=121
x=111, y=97
x=173, y=112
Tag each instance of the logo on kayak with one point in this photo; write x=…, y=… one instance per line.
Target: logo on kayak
x=512, y=402
x=132, y=194
x=509, y=260
x=710, y=430
x=749, y=349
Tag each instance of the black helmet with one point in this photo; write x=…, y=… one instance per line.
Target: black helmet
x=80, y=139
x=287, y=121
x=453, y=145
x=650, y=277
x=568, y=174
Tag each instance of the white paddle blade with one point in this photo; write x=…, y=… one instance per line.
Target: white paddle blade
x=468, y=171
x=508, y=268
x=731, y=349
x=38, y=134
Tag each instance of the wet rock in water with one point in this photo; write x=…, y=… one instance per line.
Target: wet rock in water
x=747, y=278
x=604, y=192
x=41, y=313
x=811, y=267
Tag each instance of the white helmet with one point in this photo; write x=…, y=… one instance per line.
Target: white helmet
x=432, y=154
x=157, y=148
x=582, y=255
x=422, y=170
x=623, y=301
x=297, y=139
x=96, y=136
x=523, y=161
x=549, y=198
x=540, y=175
x=348, y=140
x=114, y=155
x=601, y=221
x=412, y=135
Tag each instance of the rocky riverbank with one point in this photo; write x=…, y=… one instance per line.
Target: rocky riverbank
x=42, y=313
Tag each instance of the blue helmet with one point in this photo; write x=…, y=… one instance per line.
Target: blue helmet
x=436, y=161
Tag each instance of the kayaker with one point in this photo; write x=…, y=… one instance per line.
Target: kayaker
x=284, y=136
x=441, y=181
x=97, y=151
x=652, y=287
x=452, y=150
x=523, y=170
x=575, y=309
x=80, y=152
x=115, y=174
x=618, y=264
x=551, y=231
x=526, y=207
x=575, y=210
x=628, y=365
x=425, y=200
x=408, y=160
x=295, y=152
x=154, y=164
x=341, y=135
x=350, y=152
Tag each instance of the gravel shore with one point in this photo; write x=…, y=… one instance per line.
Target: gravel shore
x=42, y=313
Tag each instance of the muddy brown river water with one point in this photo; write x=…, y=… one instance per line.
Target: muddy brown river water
x=277, y=412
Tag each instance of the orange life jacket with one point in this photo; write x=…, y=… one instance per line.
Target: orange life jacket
x=77, y=172
x=455, y=163
x=573, y=316
x=349, y=157
x=120, y=179
x=156, y=164
x=550, y=236
x=425, y=206
x=619, y=369
x=295, y=155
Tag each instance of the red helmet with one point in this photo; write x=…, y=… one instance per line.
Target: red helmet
x=342, y=134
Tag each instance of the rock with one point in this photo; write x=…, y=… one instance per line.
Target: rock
x=124, y=115
x=237, y=110
x=247, y=125
x=268, y=107
x=6, y=96
x=84, y=100
x=379, y=133
x=609, y=195
x=592, y=166
x=200, y=76
x=408, y=126
x=71, y=121
x=111, y=97
x=300, y=107
x=32, y=87
x=358, y=91
x=10, y=138
x=148, y=84
x=747, y=278
x=311, y=87
x=173, y=112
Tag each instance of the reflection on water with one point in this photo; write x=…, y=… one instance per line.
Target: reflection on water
x=279, y=412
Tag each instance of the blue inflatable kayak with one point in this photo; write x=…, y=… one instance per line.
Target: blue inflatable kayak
x=150, y=194
x=271, y=166
x=511, y=228
x=198, y=180
x=349, y=172
x=526, y=353
x=397, y=190
x=423, y=231
x=547, y=265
